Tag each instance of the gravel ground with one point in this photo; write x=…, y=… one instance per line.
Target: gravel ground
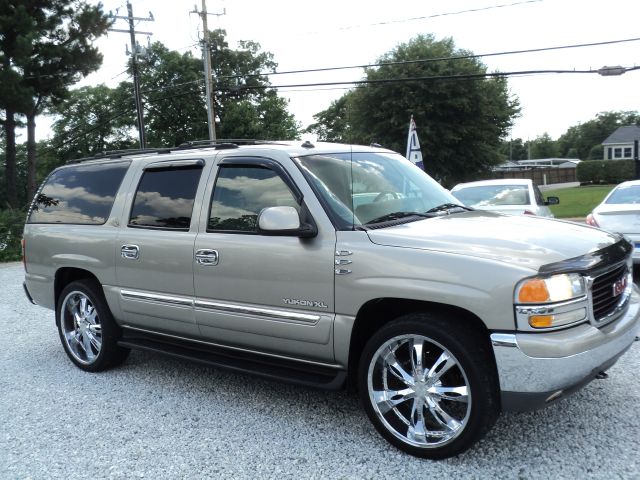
x=156, y=417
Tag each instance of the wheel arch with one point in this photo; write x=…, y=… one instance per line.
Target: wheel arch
x=380, y=311
x=65, y=275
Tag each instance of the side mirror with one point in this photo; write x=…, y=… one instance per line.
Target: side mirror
x=552, y=201
x=284, y=221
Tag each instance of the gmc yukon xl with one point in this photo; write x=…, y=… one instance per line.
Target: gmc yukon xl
x=331, y=266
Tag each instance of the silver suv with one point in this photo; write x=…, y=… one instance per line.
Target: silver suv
x=331, y=266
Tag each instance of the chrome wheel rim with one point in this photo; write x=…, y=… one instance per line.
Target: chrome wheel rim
x=419, y=391
x=80, y=327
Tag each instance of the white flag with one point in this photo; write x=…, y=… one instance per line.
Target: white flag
x=413, y=145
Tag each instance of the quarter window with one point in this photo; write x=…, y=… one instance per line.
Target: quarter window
x=80, y=194
x=165, y=198
x=241, y=192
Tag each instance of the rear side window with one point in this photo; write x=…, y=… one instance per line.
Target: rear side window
x=81, y=194
x=165, y=198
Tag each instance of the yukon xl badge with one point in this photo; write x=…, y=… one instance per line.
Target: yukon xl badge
x=304, y=303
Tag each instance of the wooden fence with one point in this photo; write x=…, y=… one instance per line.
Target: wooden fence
x=541, y=176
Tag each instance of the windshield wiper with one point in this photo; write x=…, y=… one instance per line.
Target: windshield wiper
x=447, y=206
x=398, y=215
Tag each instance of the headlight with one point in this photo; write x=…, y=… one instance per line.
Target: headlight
x=558, y=288
x=551, y=302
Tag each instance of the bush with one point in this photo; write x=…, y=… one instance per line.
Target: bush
x=11, y=226
x=605, y=171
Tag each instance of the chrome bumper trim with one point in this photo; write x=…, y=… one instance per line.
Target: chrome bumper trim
x=521, y=372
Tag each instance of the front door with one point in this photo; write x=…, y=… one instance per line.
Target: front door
x=267, y=293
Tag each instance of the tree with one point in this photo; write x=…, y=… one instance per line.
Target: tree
x=332, y=124
x=514, y=149
x=460, y=121
x=586, y=138
x=87, y=122
x=242, y=86
x=45, y=46
x=173, y=95
x=543, y=147
x=173, y=92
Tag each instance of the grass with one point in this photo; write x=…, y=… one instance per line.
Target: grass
x=577, y=201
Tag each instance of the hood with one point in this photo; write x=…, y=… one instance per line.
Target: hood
x=525, y=241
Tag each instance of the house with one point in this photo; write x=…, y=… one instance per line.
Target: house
x=619, y=145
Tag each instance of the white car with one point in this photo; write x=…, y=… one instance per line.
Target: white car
x=514, y=196
x=620, y=212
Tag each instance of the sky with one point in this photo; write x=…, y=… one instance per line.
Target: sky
x=332, y=33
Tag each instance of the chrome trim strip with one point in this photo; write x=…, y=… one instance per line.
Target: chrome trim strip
x=307, y=318
x=156, y=298
x=238, y=349
x=504, y=340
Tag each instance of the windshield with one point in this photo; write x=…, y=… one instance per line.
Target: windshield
x=625, y=194
x=373, y=187
x=493, y=195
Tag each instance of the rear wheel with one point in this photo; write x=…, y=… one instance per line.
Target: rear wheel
x=428, y=386
x=86, y=327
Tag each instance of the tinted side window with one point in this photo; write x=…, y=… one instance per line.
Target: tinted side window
x=165, y=198
x=81, y=194
x=241, y=193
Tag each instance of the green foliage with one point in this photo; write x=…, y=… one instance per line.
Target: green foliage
x=86, y=123
x=513, y=149
x=587, y=137
x=606, y=171
x=173, y=96
x=45, y=46
x=577, y=201
x=460, y=122
x=11, y=226
x=543, y=147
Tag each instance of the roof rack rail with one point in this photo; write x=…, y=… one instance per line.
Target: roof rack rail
x=113, y=154
x=225, y=143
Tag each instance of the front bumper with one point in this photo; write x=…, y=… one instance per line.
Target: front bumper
x=537, y=368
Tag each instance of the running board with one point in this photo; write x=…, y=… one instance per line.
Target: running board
x=237, y=360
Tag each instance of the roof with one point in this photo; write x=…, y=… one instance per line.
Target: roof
x=292, y=148
x=624, y=135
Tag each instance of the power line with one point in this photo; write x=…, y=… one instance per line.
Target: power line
x=435, y=15
x=438, y=59
x=420, y=79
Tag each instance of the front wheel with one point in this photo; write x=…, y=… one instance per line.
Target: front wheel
x=428, y=385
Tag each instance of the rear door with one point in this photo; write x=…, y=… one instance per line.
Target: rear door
x=154, y=257
x=268, y=293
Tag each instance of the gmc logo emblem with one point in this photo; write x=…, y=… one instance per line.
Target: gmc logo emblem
x=620, y=286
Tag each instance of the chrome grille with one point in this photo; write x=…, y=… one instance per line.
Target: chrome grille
x=602, y=294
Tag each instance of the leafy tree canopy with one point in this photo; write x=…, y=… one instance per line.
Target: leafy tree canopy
x=586, y=138
x=460, y=121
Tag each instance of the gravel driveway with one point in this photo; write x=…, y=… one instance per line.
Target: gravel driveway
x=157, y=417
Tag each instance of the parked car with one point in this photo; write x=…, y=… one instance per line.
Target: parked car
x=620, y=212
x=330, y=266
x=512, y=196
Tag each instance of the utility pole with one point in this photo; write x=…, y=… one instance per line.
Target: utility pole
x=208, y=77
x=135, y=51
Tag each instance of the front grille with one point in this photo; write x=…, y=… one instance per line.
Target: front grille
x=604, y=301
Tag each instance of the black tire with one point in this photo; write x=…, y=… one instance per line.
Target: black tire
x=419, y=406
x=86, y=327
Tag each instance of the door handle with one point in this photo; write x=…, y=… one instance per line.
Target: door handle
x=207, y=257
x=130, y=252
